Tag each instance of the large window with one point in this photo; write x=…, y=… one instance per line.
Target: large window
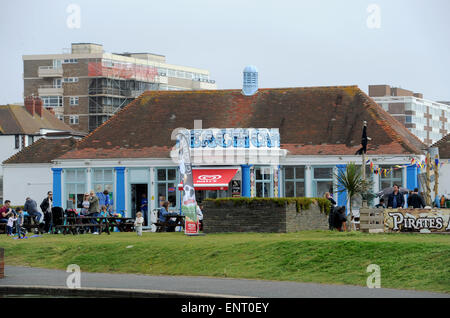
x=394, y=177
x=166, y=179
x=75, y=185
x=52, y=101
x=103, y=179
x=263, y=182
x=294, y=181
x=322, y=181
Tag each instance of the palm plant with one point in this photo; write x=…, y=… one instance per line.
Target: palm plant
x=350, y=180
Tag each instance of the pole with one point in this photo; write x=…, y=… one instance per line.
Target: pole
x=427, y=182
x=436, y=179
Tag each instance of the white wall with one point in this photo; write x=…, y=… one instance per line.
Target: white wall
x=7, y=143
x=26, y=180
x=444, y=181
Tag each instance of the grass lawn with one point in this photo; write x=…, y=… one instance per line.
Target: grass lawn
x=407, y=261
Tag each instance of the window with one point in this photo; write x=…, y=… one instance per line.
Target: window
x=263, y=182
x=57, y=83
x=70, y=61
x=166, y=179
x=75, y=185
x=57, y=63
x=73, y=100
x=74, y=119
x=294, y=181
x=70, y=79
x=60, y=117
x=30, y=140
x=52, y=101
x=395, y=176
x=16, y=141
x=322, y=181
x=103, y=179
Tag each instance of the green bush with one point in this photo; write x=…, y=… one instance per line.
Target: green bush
x=301, y=203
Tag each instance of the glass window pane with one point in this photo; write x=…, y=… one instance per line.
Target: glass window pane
x=289, y=189
x=162, y=174
x=289, y=172
x=81, y=176
x=299, y=189
x=80, y=188
x=322, y=187
x=258, y=174
x=161, y=193
x=397, y=174
x=300, y=172
x=385, y=184
x=70, y=175
x=259, y=189
x=323, y=173
x=98, y=175
x=171, y=174
x=108, y=175
x=266, y=187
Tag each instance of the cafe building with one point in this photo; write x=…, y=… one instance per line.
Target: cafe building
x=280, y=142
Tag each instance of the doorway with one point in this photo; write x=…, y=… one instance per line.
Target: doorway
x=139, y=198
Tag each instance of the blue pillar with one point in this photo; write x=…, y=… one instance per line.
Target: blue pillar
x=411, y=177
x=342, y=196
x=57, y=187
x=246, y=181
x=120, y=189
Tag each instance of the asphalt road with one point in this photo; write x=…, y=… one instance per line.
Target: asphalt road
x=27, y=276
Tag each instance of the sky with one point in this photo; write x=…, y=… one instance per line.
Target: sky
x=402, y=43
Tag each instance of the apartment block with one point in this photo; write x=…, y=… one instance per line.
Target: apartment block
x=84, y=86
x=428, y=120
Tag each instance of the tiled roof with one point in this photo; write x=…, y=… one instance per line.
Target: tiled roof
x=444, y=147
x=311, y=120
x=43, y=151
x=15, y=119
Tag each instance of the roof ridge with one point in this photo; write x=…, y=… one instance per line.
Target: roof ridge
x=437, y=143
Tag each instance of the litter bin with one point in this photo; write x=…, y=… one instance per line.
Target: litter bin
x=447, y=204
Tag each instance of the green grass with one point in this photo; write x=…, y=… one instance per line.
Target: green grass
x=407, y=261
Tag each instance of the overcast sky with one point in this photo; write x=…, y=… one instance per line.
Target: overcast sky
x=292, y=43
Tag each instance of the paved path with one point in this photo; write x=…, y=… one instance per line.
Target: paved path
x=26, y=276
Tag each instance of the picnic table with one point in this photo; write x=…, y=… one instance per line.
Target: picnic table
x=162, y=226
x=75, y=225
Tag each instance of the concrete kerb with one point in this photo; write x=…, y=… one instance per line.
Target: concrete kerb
x=106, y=292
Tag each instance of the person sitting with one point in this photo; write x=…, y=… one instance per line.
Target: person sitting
x=396, y=199
x=31, y=207
x=164, y=216
x=381, y=204
x=4, y=210
x=415, y=200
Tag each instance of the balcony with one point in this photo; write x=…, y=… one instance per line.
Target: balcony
x=50, y=71
x=48, y=90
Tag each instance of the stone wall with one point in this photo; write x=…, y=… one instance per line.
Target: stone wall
x=269, y=217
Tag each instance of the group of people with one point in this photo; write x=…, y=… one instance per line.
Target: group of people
x=164, y=215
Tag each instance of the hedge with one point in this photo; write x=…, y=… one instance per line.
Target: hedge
x=301, y=203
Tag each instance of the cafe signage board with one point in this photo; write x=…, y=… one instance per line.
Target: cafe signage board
x=417, y=220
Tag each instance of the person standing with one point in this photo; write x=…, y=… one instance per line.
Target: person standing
x=144, y=206
x=415, y=200
x=9, y=226
x=94, y=209
x=200, y=217
x=138, y=223
x=330, y=198
x=46, y=208
x=19, y=222
x=396, y=199
x=85, y=205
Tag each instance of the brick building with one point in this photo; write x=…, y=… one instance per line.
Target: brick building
x=426, y=119
x=86, y=86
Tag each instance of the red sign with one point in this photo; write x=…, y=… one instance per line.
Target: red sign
x=211, y=179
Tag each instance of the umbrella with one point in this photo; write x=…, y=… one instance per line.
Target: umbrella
x=388, y=191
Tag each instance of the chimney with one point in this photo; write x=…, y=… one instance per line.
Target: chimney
x=38, y=106
x=29, y=105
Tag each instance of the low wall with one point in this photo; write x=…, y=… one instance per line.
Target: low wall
x=261, y=216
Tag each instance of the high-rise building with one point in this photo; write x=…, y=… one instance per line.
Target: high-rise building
x=426, y=119
x=86, y=86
